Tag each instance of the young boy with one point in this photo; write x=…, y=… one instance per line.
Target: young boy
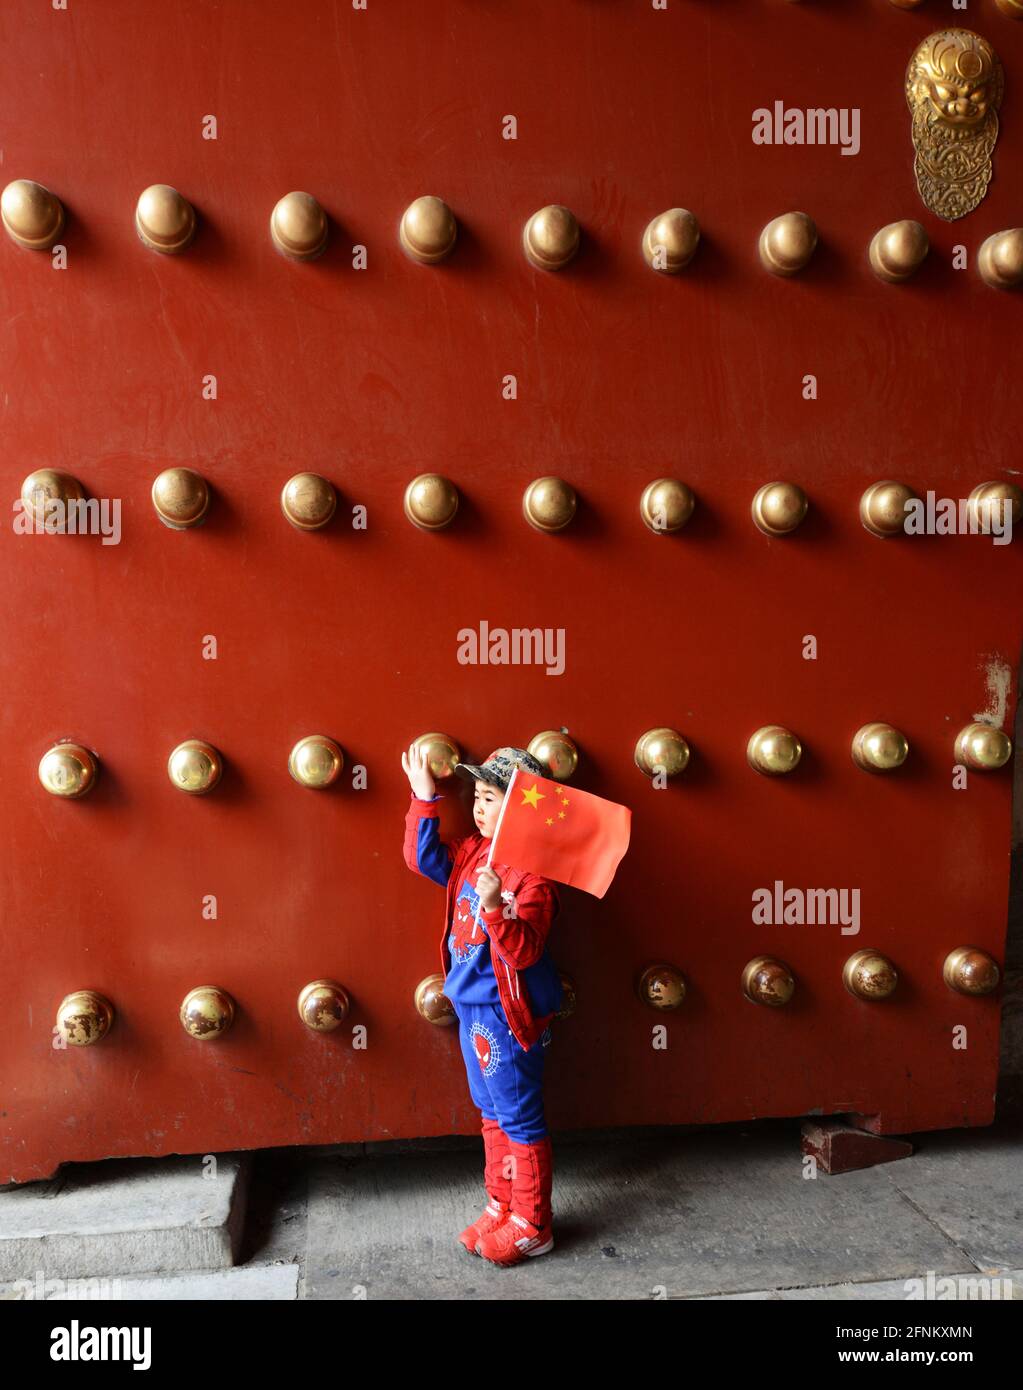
x=504, y=989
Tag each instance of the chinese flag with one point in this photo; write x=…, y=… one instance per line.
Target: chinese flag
x=553, y=830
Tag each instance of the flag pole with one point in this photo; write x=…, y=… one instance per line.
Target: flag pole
x=493, y=842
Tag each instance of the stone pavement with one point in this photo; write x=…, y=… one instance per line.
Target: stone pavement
x=723, y=1213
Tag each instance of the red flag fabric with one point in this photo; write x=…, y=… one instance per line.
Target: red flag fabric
x=551, y=829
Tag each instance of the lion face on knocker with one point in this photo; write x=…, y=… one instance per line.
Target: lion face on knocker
x=954, y=85
x=956, y=74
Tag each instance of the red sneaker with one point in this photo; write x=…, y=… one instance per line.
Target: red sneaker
x=514, y=1240
x=492, y=1219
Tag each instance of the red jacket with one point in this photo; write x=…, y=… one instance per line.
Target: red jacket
x=518, y=944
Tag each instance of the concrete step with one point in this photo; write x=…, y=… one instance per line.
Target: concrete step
x=275, y=1283
x=121, y=1217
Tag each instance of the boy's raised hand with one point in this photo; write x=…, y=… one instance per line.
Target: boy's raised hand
x=416, y=766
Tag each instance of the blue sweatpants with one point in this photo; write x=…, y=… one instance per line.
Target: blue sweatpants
x=505, y=1082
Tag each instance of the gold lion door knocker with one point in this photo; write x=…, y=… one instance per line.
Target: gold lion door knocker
x=954, y=86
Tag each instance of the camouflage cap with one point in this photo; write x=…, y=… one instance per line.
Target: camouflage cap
x=499, y=766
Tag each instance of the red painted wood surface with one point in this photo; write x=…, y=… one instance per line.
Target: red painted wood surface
x=371, y=377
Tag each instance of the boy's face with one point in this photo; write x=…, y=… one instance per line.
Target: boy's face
x=486, y=808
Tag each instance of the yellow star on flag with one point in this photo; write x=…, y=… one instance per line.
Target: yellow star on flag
x=534, y=796
x=549, y=821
